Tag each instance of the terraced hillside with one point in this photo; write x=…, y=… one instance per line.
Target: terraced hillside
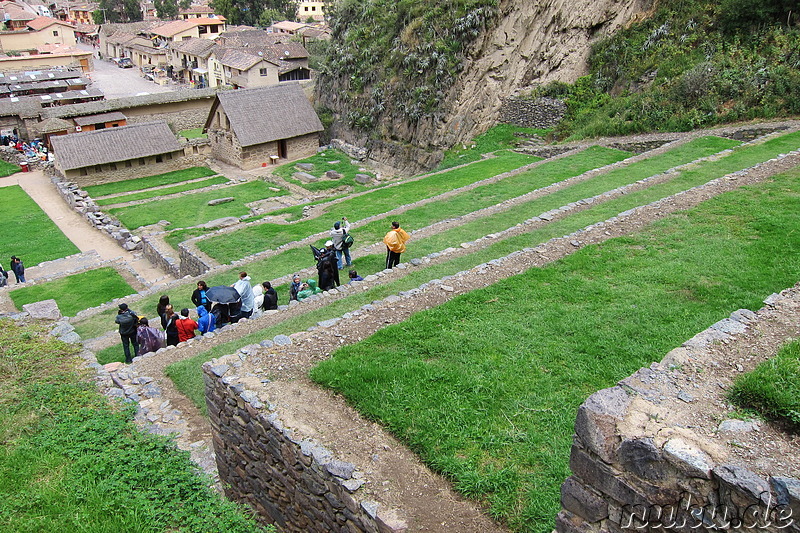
x=484, y=385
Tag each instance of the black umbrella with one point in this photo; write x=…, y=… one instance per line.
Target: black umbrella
x=223, y=294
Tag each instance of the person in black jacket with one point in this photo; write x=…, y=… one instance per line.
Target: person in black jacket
x=199, y=296
x=327, y=268
x=128, y=322
x=18, y=268
x=270, y=297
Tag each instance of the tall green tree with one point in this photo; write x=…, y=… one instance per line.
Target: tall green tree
x=166, y=9
x=251, y=12
x=117, y=11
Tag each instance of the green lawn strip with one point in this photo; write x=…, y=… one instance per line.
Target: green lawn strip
x=252, y=239
x=485, y=387
x=73, y=461
x=137, y=184
x=6, y=168
x=334, y=160
x=193, y=209
x=773, y=387
x=28, y=232
x=153, y=193
x=499, y=137
x=76, y=292
x=191, y=381
x=193, y=133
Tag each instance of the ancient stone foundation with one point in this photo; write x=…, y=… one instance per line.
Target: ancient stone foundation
x=290, y=481
x=532, y=113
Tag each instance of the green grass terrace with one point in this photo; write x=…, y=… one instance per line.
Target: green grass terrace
x=28, y=232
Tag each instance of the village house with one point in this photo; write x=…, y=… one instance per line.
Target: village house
x=255, y=127
x=14, y=17
x=311, y=9
x=179, y=30
x=81, y=12
x=196, y=12
x=188, y=60
x=254, y=58
x=114, y=154
x=36, y=33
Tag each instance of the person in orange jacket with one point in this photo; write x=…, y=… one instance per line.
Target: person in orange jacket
x=395, y=241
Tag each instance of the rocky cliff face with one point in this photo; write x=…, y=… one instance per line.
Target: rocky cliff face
x=532, y=42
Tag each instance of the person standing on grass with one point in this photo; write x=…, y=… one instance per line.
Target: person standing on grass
x=186, y=326
x=206, y=322
x=395, y=241
x=170, y=322
x=270, y=301
x=3, y=277
x=18, y=268
x=326, y=268
x=161, y=309
x=199, y=296
x=245, y=291
x=127, y=321
x=337, y=236
x=294, y=288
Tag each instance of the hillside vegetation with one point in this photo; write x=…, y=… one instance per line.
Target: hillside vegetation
x=692, y=64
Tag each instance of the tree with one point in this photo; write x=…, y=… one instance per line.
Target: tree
x=117, y=11
x=251, y=12
x=166, y=9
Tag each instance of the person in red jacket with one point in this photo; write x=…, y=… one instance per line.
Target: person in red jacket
x=186, y=326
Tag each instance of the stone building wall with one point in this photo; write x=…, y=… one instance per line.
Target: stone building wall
x=290, y=481
x=638, y=466
x=225, y=147
x=160, y=255
x=150, y=167
x=191, y=264
x=532, y=113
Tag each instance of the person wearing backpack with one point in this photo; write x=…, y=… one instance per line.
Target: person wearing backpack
x=340, y=238
x=128, y=323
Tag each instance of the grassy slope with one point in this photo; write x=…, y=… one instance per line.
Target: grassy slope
x=254, y=239
x=77, y=292
x=153, y=193
x=773, y=388
x=193, y=209
x=72, y=461
x=6, y=168
x=28, y=232
x=485, y=387
x=187, y=375
x=157, y=180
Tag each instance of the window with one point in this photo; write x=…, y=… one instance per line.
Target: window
x=214, y=29
x=263, y=71
x=98, y=168
x=313, y=8
x=128, y=164
x=159, y=159
x=55, y=33
x=169, y=157
x=112, y=166
x=306, y=8
x=141, y=161
x=84, y=172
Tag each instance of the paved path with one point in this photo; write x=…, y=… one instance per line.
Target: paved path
x=75, y=227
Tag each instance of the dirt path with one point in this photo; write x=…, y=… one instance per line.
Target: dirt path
x=75, y=227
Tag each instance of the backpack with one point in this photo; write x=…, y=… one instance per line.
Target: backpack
x=347, y=240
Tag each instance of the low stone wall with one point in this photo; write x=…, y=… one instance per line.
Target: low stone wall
x=160, y=255
x=80, y=201
x=532, y=113
x=637, y=465
x=191, y=264
x=290, y=481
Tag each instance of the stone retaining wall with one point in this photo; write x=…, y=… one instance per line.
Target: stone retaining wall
x=161, y=256
x=633, y=469
x=289, y=480
x=532, y=113
x=191, y=264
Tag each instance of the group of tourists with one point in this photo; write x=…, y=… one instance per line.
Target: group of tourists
x=215, y=311
x=241, y=301
x=17, y=267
